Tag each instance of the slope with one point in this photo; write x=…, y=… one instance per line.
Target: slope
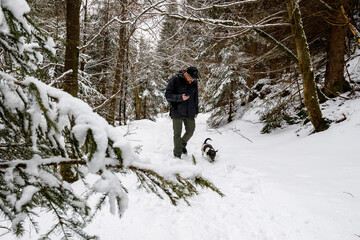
x=285, y=185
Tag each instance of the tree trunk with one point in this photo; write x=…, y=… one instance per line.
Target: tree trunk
x=305, y=68
x=82, y=62
x=119, y=81
x=137, y=102
x=335, y=82
x=250, y=81
x=144, y=108
x=70, y=84
x=104, y=78
x=122, y=111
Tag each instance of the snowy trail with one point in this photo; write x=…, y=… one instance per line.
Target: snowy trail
x=273, y=190
x=283, y=186
x=239, y=214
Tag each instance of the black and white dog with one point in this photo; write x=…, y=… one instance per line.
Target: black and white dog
x=209, y=151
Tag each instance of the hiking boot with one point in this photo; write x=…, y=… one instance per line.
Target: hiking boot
x=184, y=150
x=177, y=156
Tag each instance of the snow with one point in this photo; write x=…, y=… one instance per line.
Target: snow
x=109, y=183
x=289, y=184
x=354, y=68
x=18, y=8
x=26, y=196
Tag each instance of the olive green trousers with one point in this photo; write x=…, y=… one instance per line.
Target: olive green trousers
x=181, y=141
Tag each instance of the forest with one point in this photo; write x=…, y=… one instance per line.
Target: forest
x=73, y=71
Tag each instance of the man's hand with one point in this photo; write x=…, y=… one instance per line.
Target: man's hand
x=184, y=97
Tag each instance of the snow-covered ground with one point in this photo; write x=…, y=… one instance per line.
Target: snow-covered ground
x=287, y=185
x=284, y=185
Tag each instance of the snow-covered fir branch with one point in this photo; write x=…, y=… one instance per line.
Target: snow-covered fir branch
x=42, y=128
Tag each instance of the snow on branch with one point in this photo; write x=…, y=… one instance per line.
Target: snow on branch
x=41, y=128
x=224, y=5
x=222, y=23
x=115, y=19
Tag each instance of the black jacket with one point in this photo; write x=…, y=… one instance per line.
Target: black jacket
x=177, y=86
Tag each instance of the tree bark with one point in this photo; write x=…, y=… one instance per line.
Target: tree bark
x=138, y=102
x=104, y=78
x=335, y=82
x=85, y=33
x=305, y=67
x=120, y=72
x=70, y=83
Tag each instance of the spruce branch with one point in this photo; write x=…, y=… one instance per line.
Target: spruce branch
x=58, y=144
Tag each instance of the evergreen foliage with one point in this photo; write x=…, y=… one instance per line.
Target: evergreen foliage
x=20, y=41
x=169, y=49
x=224, y=88
x=41, y=131
x=149, y=87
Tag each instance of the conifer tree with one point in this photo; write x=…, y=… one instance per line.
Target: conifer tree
x=148, y=88
x=168, y=49
x=16, y=32
x=223, y=88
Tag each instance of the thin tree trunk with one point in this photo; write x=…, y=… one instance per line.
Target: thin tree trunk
x=119, y=71
x=59, y=15
x=82, y=63
x=305, y=67
x=104, y=79
x=71, y=84
x=137, y=102
x=354, y=5
x=118, y=76
x=125, y=77
x=231, y=103
x=144, y=108
x=123, y=112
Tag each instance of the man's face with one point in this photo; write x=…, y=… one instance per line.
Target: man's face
x=188, y=78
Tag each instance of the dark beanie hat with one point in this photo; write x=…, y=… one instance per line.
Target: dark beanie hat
x=193, y=72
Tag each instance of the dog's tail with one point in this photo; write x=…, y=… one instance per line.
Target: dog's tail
x=206, y=140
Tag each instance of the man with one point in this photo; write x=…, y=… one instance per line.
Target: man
x=182, y=93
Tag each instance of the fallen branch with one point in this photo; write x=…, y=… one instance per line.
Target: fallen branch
x=238, y=132
x=342, y=119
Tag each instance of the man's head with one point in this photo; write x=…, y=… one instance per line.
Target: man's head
x=191, y=74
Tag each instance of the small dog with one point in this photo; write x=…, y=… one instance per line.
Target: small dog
x=208, y=150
